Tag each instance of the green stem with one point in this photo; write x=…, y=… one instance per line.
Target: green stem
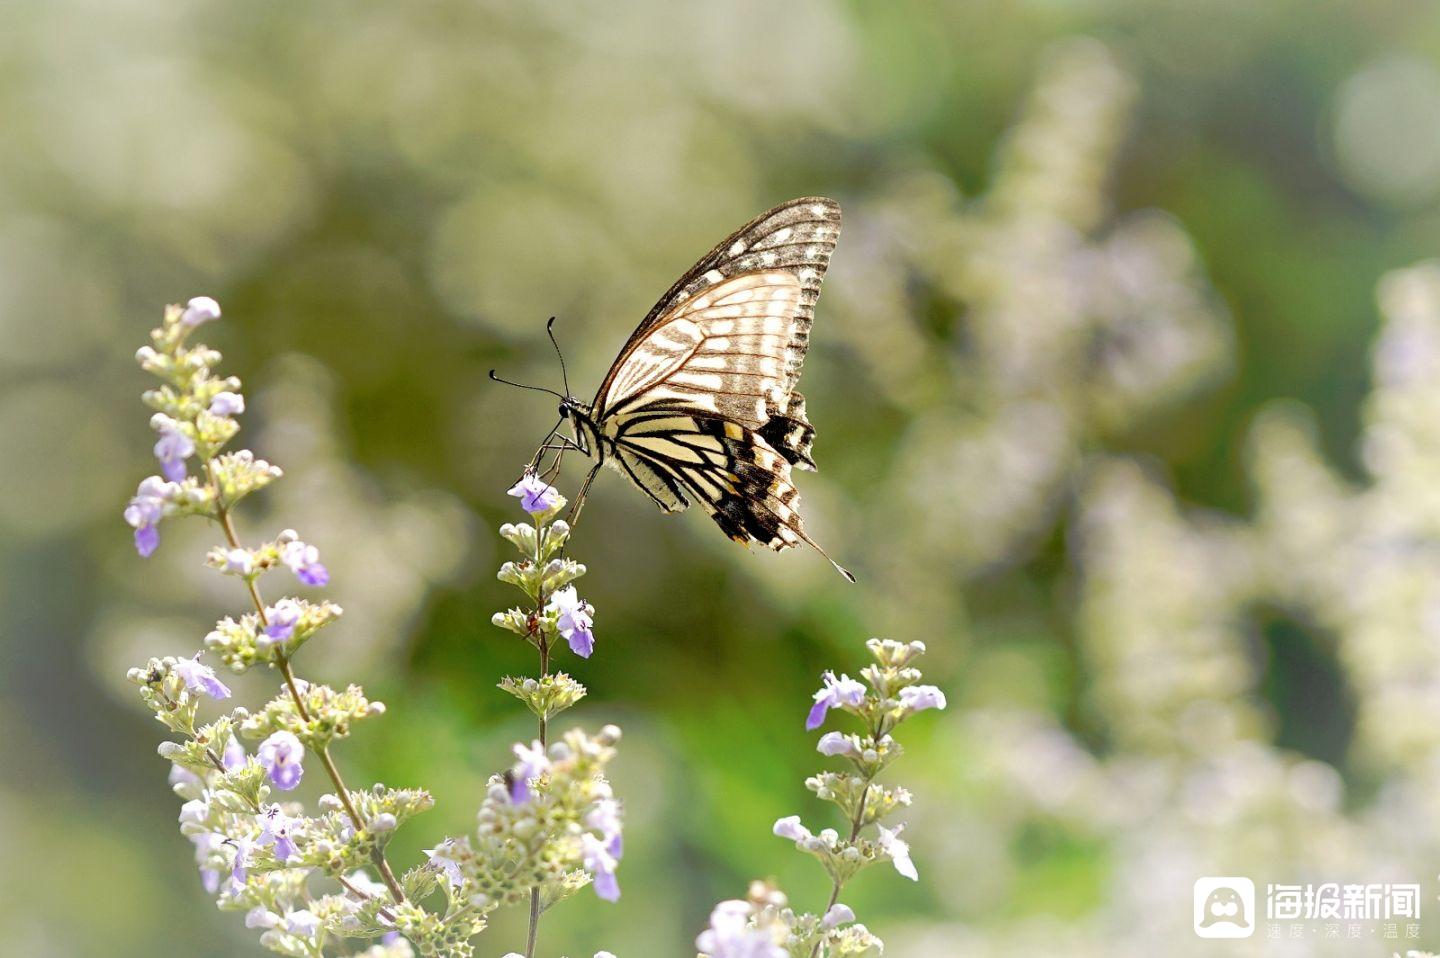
x=855, y=825
x=542, y=642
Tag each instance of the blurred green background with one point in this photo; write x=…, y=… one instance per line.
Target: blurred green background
x=1088, y=244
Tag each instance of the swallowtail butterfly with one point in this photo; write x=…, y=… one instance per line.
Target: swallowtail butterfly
x=701, y=403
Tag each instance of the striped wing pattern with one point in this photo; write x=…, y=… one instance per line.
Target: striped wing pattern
x=702, y=403
x=795, y=237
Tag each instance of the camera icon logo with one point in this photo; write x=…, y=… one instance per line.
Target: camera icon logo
x=1224, y=907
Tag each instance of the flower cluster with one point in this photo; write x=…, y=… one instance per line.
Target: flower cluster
x=544, y=574
x=763, y=926
x=551, y=822
x=548, y=826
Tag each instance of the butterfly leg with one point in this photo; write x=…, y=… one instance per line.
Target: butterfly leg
x=575, y=507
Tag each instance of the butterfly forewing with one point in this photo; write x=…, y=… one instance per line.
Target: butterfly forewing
x=795, y=237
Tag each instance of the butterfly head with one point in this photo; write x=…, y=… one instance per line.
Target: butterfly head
x=578, y=415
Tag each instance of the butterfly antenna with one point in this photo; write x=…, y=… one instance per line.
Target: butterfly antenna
x=564, y=376
x=539, y=389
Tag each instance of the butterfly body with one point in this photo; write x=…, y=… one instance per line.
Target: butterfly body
x=701, y=403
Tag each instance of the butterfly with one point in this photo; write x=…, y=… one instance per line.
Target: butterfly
x=700, y=404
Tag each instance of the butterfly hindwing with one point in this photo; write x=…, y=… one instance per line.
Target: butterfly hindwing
x=733, y=472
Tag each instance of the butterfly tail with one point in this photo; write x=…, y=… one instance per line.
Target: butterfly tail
x=849, y=576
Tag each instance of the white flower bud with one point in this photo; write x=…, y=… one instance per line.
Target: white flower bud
x=200, y=309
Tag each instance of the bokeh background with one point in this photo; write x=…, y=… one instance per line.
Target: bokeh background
x=1127, y=380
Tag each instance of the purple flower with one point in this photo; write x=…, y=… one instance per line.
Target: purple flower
x=173, y=447
x=282, y=754
x=303, y=923
x=234, y=756
x=244, y=852
x=837, y=915
x=898, y=851
x=304, y=561
x=601, y=864
x=151, y=501
x=531, y=762
x=238, y=562
x=605, y=819
x=835, y=693
x=536, y=496
x=275, y=831
x=440, y=857
x=182, y=776
x=206, y=844
x=195, y=812
x=281, y=619
x=200, y=678
x=730, y=934
x=917, y=698
x=201, y=309
x=790, y=827
x=262, y=917
x=227, y=403
x=574, y=620
x=835, y=743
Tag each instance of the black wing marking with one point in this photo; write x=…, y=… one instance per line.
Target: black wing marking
x=739, y=478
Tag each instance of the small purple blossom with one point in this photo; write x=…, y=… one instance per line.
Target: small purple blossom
x=200, y=678
x=835, y=693
x=238, y=562
x=182, y=776
x=574, y=620
x=790, y=827
x=836, y=743
x=244, y=853
x=530, y=763
x=837, y=915
x=262, y=917
x=173, y=447
x=536, y=496
x=303, y=923
x=440, y=857
x=917, y=698
x=601, y=864
x=195, y=812
x=227, y=403
x=281, y=619
x=898, y=851
x=151, y=501
x=200, y=310
x=282, y=755
x=304, y=561
x=605, y=819
x=730, y=934
x=234, y=756
x=206, y=844
x=275, y=832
